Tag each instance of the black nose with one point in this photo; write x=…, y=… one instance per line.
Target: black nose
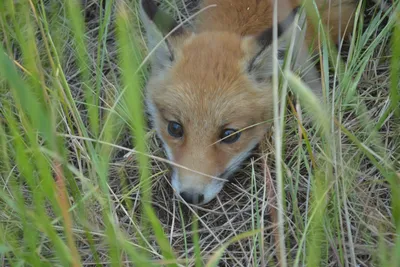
x=192, y=198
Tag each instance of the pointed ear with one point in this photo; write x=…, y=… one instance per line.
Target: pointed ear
x=158, y=25
x=260, y=53
x=259, y=50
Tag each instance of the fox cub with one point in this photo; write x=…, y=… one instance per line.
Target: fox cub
x=210, y=91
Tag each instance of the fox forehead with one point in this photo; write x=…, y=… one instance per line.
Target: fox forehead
x=217, y=51
x=210, y=60
x=208, y=79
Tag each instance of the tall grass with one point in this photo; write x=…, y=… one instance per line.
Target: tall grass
x=71, y=102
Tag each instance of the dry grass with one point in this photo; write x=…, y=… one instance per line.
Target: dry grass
x=358, y=216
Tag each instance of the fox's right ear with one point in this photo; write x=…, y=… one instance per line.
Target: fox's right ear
x=164, y=34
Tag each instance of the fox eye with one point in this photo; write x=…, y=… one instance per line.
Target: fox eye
x=230, y=136
x=175, y=129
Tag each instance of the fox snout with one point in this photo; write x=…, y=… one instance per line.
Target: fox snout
x=195, y=188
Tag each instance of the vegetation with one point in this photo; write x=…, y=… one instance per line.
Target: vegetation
x=84, y=179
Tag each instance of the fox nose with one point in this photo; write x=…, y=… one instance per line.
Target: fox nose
x=192, y=198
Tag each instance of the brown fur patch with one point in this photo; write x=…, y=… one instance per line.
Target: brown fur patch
x=252, y=17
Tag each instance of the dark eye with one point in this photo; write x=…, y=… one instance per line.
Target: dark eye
x=230, y=136
x=175, y=129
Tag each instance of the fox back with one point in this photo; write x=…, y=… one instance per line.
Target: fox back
x=210, y=92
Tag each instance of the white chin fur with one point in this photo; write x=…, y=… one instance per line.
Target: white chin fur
x=175, y=183
x=212, y=190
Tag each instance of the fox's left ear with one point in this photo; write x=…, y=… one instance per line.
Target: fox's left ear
x=158, y=25
x=259, y=53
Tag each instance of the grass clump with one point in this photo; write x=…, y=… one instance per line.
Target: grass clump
x=84, y=180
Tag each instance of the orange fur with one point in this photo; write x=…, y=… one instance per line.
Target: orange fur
x=251, y=17
x=204, y=82
x=211, y=95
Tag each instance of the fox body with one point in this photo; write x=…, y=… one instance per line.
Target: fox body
x=210, y=91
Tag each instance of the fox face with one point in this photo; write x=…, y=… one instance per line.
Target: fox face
x=210, y=100
x=209, y=113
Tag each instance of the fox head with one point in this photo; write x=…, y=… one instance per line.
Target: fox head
x=210, y=100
